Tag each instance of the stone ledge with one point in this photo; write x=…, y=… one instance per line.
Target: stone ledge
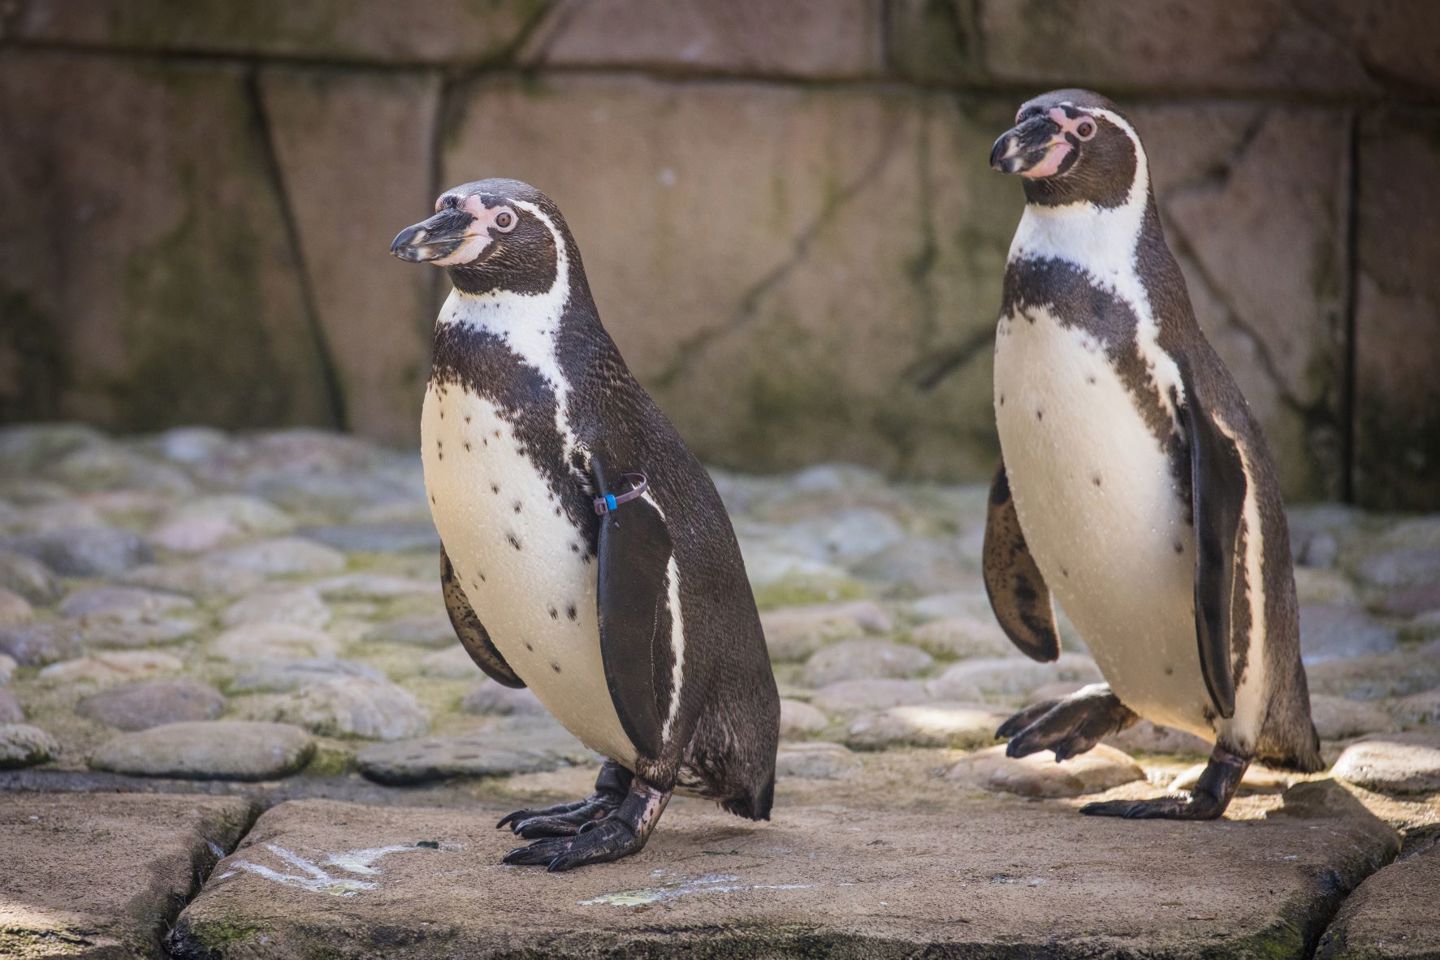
x=1003, y=879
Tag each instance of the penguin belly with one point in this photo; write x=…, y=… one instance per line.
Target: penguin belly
x=523, y=564
x=1097, y=502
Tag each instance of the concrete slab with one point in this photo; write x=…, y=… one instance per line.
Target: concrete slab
x=102, y=875
x=1392, y=916
x=1008, y=878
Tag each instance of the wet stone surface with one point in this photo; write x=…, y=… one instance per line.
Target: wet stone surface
x=261, y=614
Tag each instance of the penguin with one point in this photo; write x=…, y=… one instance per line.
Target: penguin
x=585, y=552
x=1135, y=487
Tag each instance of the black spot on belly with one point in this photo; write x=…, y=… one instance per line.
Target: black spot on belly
x=513, y=540
x=467, y=418
x=557, y=511
x=1090, y=379
x=554, y=666
x=1039, y=414
x=494, y=488
x=1095, y=479
x=1002, y=399
x=571, y=612
x=1064, y=572
x=554, y=614
x=432, y=498
x=1169, y=671
x=574, y=548
x=467, y=446
x=516, y=505
x=529, y=646
x=1179, y=547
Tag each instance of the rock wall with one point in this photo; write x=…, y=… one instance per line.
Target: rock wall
x=785, y=208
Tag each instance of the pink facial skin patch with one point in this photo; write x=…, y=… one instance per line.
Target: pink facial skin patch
x=1081, y=127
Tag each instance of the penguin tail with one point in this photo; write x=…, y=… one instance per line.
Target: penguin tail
x=754, y=805
x=1303, y=758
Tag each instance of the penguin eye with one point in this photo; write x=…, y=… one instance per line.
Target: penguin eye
x=505, y=221
x=1085, y=129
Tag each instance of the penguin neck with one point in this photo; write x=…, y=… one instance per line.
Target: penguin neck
x=1101, y=241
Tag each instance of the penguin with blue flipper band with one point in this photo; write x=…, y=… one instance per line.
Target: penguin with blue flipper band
x=586, y=554
x=1135, y=488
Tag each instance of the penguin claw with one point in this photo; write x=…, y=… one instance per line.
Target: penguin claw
x=1198, y=806
x=1069, y=727
x=600, y=842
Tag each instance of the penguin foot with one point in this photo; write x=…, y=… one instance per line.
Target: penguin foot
x=622, y=832
x=568, y=819
x=1069, y=727
x=1206, y=802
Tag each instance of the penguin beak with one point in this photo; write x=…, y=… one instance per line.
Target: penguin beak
x=433, y=239
x=1026, y=148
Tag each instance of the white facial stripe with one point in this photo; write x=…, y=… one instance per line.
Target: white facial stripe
x=1102, y=242
x=527, y=322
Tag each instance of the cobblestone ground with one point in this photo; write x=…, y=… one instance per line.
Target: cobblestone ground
x=259, y=617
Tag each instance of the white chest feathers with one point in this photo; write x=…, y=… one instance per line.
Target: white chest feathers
x=1097, y=502
x=521, y=561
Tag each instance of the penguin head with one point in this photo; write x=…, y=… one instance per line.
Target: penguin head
x=492, y=235
x=1070, y=146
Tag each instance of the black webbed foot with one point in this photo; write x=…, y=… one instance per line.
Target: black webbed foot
x=1206, y=802
x=1069, y=727
x=620, y=833
x=567, y=819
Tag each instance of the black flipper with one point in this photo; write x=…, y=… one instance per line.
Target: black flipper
x=1218, y=486
x=633, y=598
x=1017, y=591
x=469, y=628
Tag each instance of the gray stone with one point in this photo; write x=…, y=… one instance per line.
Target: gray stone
x=794, y=633
x=1418, y=709
x=1391, y=916
x=1393, y=762
x=1412, y=601
x=209, y=522
x=939, y=724
x=10, y=711
x=804, y=38
x=1337, y=718
x=1009, y=677
x=279, y=557
x=848, y=697
x=825, y=878
x=1398, y=569
x=492, y=698
x=98, y=875
x=352, y=707
x=1328, y=632
x=970, y=604
x=1397, y=309
x=285, y=676
x=799, y=720
x=1325, y=586
x=376, y=586
x=22, y=745
x=121, y=604
x=104, y=669
x=864, y=659
x=1146, y=737
x=1038, y=775
x=920, y=566
x=300, y=606
x=503, y=746
x=371, y=31
x=816, y=760
x=136, y=634
x=28, y=577
x=14, y=609
x=432, y=630
x=40, y=643
x=7, y=668
x=258, y=642
x=398, y=537
x=1395, y=674
x=451, y=664
x=109, y=467
x=84, y=551
x=213, y=750
x=189, y=444
x=963, y=637
x=139, y=706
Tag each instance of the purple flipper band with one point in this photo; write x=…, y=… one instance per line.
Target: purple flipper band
x=611, y=501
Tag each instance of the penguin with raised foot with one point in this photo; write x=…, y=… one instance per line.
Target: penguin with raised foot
x=1135, y=486
x=586, y=553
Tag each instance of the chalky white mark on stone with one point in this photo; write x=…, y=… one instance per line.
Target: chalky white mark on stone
x=314, y=877
x=710, y=883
